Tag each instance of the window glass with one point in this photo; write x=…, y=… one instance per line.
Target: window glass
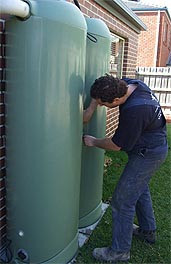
x=165, y=31
x=116, y=59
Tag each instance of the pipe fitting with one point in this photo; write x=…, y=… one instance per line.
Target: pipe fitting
x=23, y=255
x=17, y=8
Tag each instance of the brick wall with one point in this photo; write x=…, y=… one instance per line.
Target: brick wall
x=2, y=135
x=147, y=40
x=89, y=8
x=147, y=56
x=111, y=121
x=164, y=43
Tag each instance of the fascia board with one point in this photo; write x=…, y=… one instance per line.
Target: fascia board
x=122, y=12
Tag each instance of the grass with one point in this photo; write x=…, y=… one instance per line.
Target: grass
x=160, y=186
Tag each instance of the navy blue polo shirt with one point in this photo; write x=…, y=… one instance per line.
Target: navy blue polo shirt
x=141, y=121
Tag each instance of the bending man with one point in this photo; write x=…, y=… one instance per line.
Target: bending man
x=141, y=133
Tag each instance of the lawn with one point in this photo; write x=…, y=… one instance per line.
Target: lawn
x=160, y=186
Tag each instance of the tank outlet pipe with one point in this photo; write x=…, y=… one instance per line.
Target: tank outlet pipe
x=17, y=8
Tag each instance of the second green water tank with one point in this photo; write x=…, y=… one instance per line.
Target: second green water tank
x=97, y=64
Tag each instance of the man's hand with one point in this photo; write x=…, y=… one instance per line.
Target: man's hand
x=104, y=143
x=89, y=140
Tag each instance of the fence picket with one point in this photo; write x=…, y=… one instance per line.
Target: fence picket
x=159, y=81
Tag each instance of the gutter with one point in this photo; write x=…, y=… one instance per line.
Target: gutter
x=139, y=9
x=124, y=13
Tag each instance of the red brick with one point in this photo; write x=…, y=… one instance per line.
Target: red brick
x=2, y=152
x=2, y=183
x=2, y=84
x=3, y=222
x=1, y=142
x=2, y=109
x=2, y=120
x=2, y=63
x=1, y=50
x=1, y=74
x=1, y=26
x=3, y=231
x=2, y=202
x=2, y=171
x=2, y=212
x=87, y=5
x=84, y=10
x=1, y=98
x=2, y=130
x=2, y=193
x=2, y=164
x=2, y=38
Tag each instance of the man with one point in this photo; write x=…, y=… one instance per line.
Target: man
x=141, y=133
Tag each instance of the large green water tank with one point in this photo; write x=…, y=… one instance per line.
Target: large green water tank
x=97, y=64
x=45, y=80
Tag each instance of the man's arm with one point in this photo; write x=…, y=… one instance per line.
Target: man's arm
x=87, y=113
x=104, y=143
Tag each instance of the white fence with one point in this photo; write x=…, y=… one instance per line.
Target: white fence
x=159, y=81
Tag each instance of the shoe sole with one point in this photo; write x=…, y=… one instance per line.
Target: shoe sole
x=112, y=261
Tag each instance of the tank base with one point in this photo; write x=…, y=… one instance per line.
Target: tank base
x=64, y=257
x=92, y=217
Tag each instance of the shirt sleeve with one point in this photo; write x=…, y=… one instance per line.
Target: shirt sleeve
x=131, y=126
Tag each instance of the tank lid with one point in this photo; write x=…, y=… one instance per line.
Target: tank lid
x=98, y=27
x=58, y=10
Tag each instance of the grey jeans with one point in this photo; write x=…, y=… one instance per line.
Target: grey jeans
x=132, y=196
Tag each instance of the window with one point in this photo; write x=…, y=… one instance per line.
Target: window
x=165, y=31
x=169, y=41
x=116, y=59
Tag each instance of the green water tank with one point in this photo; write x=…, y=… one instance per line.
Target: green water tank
x=97, y=64
x=45, y=80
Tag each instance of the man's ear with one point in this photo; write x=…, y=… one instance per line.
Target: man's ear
x=116, y=100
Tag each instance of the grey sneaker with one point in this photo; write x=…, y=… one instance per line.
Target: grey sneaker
x=147, y=236
x=109, y=255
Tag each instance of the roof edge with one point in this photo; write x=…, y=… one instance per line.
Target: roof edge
x=121, y=11
x=153, y=9
x=124, y=9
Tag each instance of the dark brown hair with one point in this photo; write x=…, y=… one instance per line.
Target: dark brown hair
x=107, y=88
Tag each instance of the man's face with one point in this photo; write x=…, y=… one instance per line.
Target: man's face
x=116, y=102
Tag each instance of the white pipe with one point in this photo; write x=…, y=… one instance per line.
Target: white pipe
x=15, y=7
x=157, y=39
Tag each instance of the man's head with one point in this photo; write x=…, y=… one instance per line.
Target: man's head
x=109, y=91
